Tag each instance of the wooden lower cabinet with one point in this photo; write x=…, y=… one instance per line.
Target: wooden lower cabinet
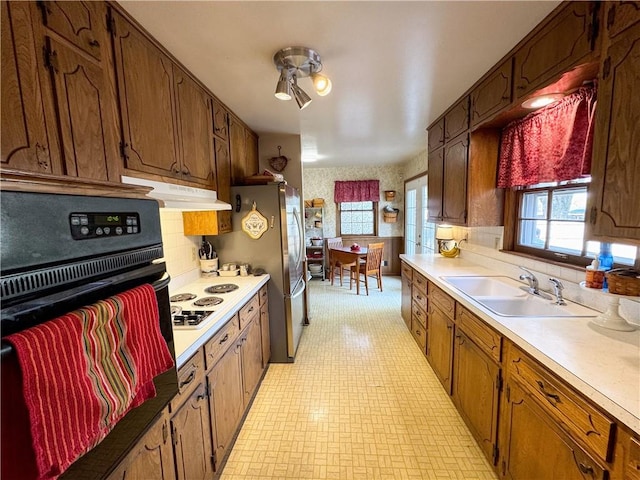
x=226, y=400
x=533, y=448
x=405, y=305
x=191, y=432
x=266, y=334
x=440, y=345
x=252, y=369
x=152, y=457
x=476, y=392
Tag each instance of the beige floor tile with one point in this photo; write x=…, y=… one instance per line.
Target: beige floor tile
x=360, y=402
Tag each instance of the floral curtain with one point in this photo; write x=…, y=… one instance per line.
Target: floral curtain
x=550, y=145
x=357, y=191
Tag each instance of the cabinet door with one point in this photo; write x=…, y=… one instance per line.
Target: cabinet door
x=532, y=448
x=84, y=102
x=223, y=169
x=436, y=135
x=226, y=400
x=456, y=121
x=620, y=16
x=192, y=437
x=81, y=23
x=220, y=120
x=615, y=168
x=493, y=94
x=405, y=306
x=454, y=194
x=251, y=358
x=440, y=345
x=557, y=47
x=266, y=334
x=251, y=148
x=24, y=139
x=194, y=130
x=237, y=150
x=476, y=383
x=435, y=179
x=145, y=87
x=151, y=457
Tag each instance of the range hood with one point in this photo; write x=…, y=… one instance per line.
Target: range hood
x=180, y=197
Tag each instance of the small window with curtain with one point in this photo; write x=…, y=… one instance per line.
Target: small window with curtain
x=357, y=204
x=545, y=159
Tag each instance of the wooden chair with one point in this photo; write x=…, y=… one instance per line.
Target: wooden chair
x=333, y=263
x=371, y=266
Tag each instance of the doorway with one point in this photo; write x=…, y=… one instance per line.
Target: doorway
x=419, y=234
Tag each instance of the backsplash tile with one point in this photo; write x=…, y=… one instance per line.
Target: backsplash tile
x=178, y=248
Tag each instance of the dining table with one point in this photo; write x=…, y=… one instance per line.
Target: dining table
x=347, y=255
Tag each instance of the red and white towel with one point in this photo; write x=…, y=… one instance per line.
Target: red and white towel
x=84, y=371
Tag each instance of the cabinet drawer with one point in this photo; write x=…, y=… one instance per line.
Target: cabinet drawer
x=444, y=301
x=407, y=271
x=581, y=420
x=419, y=296
x=420, y=283
x=482, y=335
x=419, y=334
x=418, y=313
x=264, y=295
x=632, y=468
x=250, y=309
x=215, y=348
x=189, y=376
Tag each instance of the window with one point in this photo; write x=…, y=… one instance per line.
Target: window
x=357, y=218
x=551, y=224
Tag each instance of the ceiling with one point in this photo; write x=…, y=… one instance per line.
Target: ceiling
x=395, y=66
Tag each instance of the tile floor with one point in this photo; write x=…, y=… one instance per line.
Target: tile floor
x=360, y=402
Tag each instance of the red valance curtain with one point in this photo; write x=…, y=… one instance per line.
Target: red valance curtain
x=357, y=191
x=550, y=145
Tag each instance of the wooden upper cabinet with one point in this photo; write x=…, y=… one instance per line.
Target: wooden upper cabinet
x=251, y=150
x=220, y=120
x=561, y=44
x=456, y=120
x=493, y=94
x=614, y=196
x=223, y=169
x=81, y=23
x=196, y=157
x=620, y=16
x=84, y=103
x=454, y=197
x=243, y=146
x=435, y=176
x=145, y=87
x=436, y=135
x=25, y=142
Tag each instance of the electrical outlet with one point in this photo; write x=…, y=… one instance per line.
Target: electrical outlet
x=385, y=263
x=194, y=254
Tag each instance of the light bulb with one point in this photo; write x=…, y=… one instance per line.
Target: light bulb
x=321, y=83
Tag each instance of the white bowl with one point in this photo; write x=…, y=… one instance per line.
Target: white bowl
x=229, y=273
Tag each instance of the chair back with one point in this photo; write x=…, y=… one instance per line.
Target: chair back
x=374, y=256
x=334, y=242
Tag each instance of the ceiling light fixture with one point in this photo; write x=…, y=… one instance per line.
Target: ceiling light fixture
x=299, y=62
x=542, y=100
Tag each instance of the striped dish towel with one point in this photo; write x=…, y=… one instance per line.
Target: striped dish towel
x=84, y=371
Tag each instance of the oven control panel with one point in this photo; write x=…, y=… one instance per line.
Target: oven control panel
x=98, y=225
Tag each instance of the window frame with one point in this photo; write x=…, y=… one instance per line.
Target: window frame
x=339, y=233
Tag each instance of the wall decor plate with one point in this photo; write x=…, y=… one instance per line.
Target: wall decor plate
x=254, y=223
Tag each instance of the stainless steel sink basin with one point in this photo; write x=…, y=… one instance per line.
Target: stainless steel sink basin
x=505, y=297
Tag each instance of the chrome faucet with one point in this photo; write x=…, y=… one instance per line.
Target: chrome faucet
x=533, y=281
x=557, y=290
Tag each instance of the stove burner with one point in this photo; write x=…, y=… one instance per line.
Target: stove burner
x=208, y=301
x=190, y=318
x=175, y=310
x=222, y=288
x=182, y=297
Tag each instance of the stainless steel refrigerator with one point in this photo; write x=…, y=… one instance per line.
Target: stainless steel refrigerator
x=279, y=251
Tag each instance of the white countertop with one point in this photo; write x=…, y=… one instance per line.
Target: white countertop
x=187, y=342
x=602, y=364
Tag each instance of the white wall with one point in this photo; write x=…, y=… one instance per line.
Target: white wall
x=268, y=148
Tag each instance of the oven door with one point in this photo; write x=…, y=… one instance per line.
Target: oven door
x=101, y=460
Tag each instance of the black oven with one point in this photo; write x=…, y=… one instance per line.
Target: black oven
x=60, y=253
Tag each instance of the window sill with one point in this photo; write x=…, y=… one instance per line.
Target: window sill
x=544, y=260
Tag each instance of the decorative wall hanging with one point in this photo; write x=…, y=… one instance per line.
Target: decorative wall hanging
x=254, y=223
x=280, y=162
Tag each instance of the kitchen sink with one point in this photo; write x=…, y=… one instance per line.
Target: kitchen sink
x=506, y=297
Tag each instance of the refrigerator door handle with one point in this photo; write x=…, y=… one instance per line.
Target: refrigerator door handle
x=296, y=215
x=299, y=288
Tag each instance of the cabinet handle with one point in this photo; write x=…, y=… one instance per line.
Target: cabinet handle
x=587, y=469
x=189, y=379
x=553, y=396
x=521, y=87
x=449, y=327
x=186, y=172
x=94, y=43
x=174, y=168
x=250, y=310
x=202, y=396
x=224, y=339
x=505, y=97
